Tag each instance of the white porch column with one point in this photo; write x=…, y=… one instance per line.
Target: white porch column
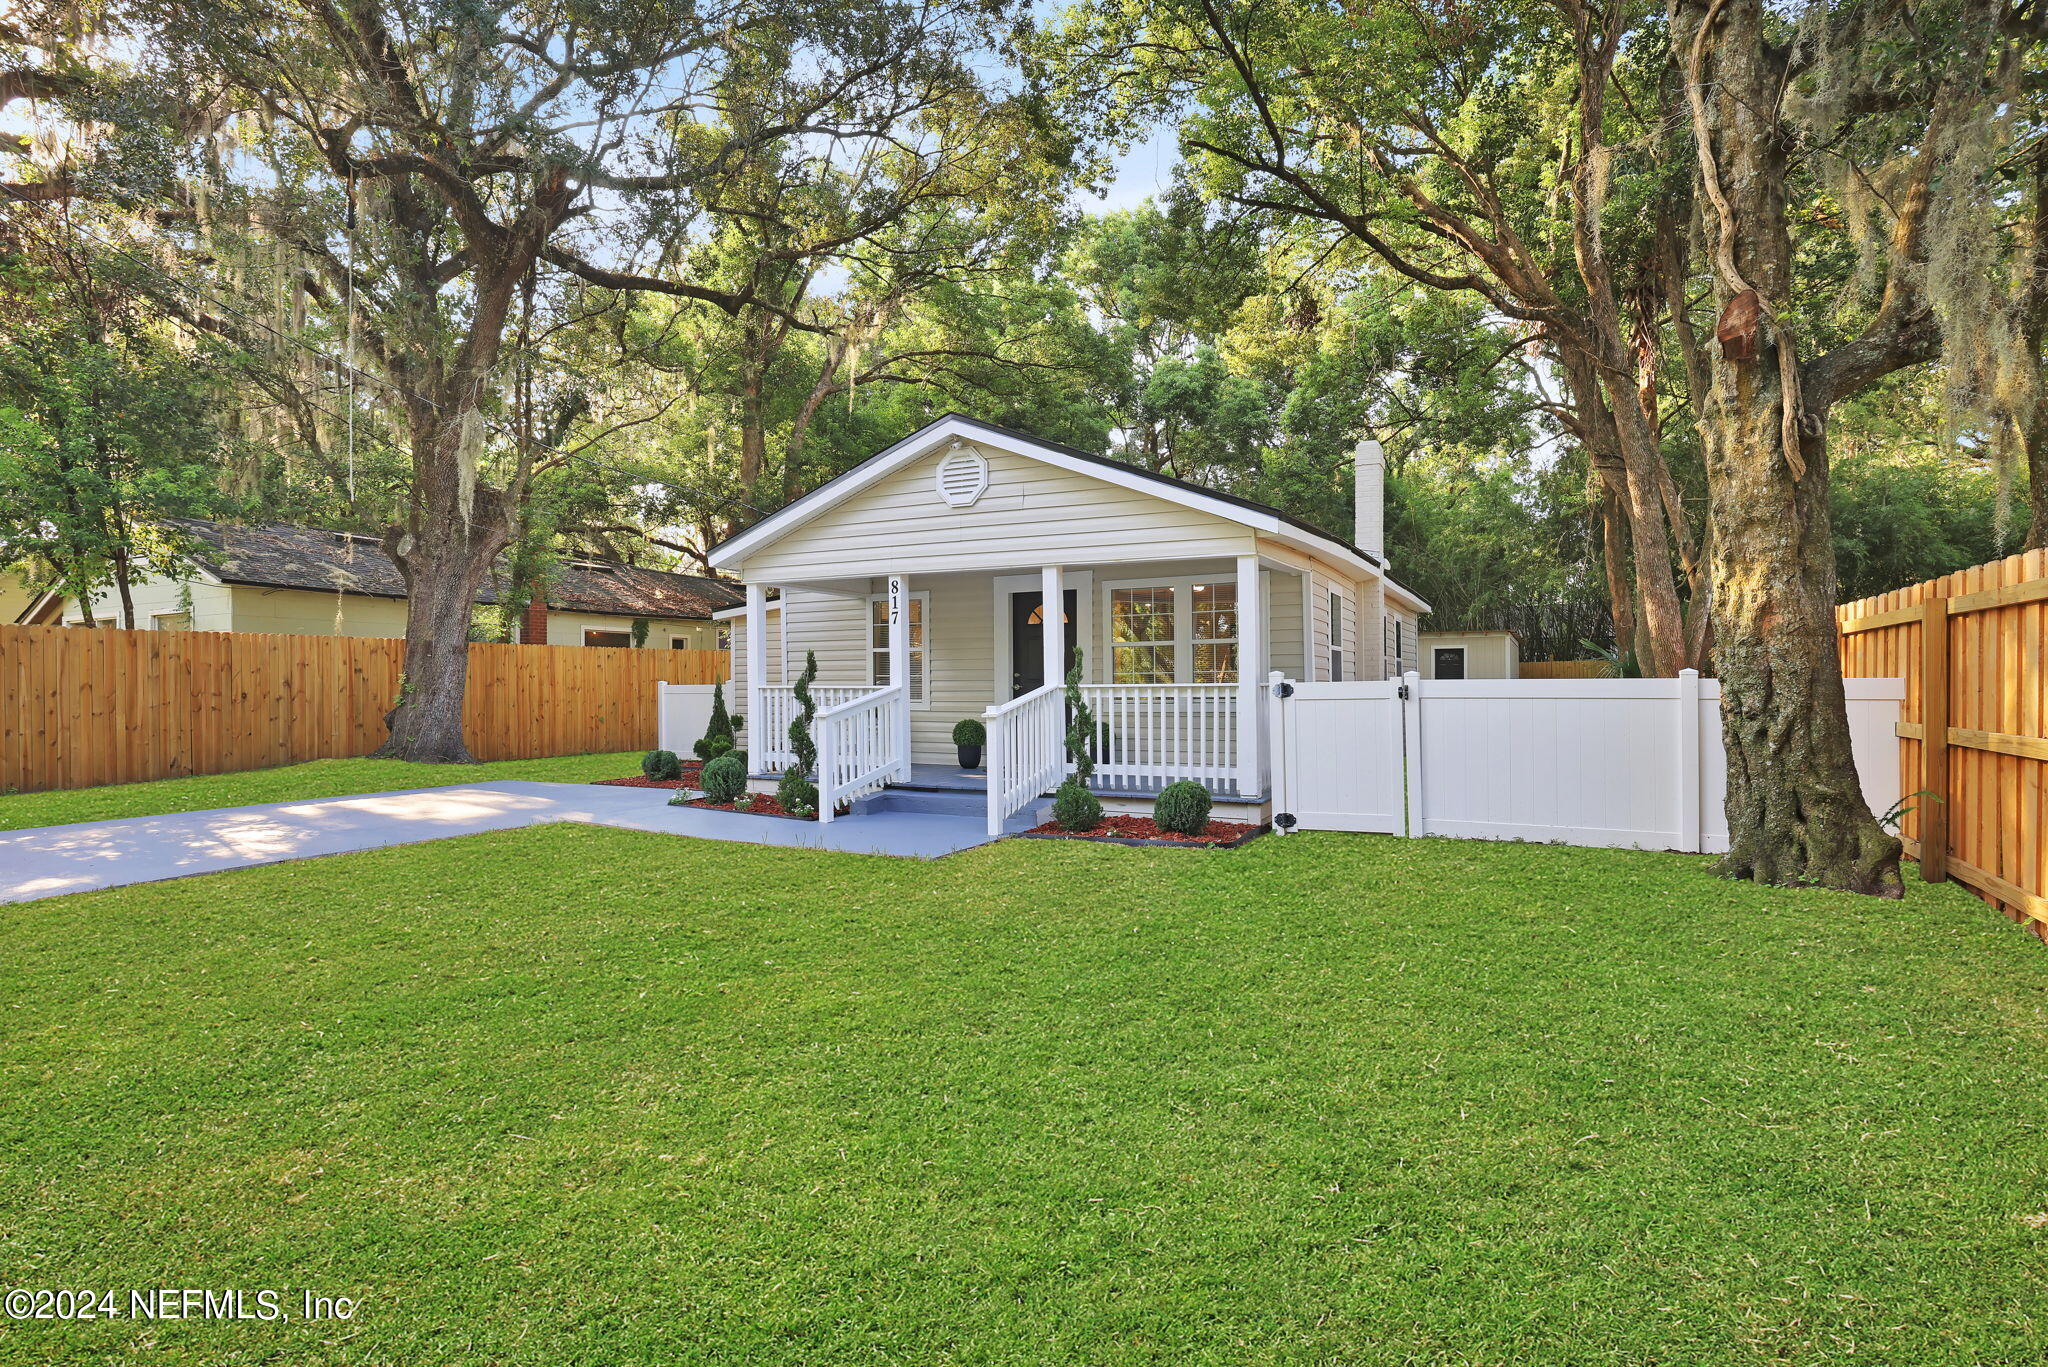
x=757, y=674
x=1053, y=609
x=1251, y=669
x=899, y=663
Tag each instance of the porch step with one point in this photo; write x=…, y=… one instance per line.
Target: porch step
x=946, y=802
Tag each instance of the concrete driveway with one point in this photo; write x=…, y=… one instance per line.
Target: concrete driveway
x=50, y=861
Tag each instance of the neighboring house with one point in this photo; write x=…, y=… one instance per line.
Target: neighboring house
x=306, y=581
x=1471, y=655
x=15, y=596
x=1183, y=599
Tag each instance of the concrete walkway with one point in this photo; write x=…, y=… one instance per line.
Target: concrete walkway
x=52, y=860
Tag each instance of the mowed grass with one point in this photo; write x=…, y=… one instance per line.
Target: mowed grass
x=575, y=1095
x=290, y=783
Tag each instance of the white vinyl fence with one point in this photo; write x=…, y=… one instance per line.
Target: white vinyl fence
x=682, y=712
x=1615, y=762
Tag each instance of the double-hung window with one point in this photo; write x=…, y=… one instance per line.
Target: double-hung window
x=915, y=608
x=1179, y=632
x=1144, y=640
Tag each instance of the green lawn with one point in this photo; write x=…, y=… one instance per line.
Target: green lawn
x=578, y=1095
x=293, y=782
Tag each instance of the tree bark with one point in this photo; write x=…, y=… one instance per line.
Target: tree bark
x=1796, y=813
x=457, y=528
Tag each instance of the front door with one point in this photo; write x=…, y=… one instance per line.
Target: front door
x=1027, y=640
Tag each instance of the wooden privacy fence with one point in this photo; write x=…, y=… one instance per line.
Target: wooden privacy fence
x=1974, y=732
x=84, y=707
x=1563, y=669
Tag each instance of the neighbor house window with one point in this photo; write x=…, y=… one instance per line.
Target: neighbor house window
x=172, y=621
x=878, y=642
x=1215, y=607
x=1142, y=635
x=608, y=638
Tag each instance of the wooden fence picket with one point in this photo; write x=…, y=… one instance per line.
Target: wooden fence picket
x=85, y=707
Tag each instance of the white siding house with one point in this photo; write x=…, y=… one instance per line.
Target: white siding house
x=1180, y=600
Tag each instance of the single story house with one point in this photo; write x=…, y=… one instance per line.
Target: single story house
x=1471, y=655
x=921, y=579
x=312, y=582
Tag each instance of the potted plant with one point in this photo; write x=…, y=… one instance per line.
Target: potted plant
x=968, y=737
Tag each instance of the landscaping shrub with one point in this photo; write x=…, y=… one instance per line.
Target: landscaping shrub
x=1183, y=807
x=717, y=739
x=725, y=778
x=1074, y=808
x=969, y=732
x=797, y=794
x=662, y=766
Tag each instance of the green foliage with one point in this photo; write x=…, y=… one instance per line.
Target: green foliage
x=662, y=766
x=795, y=791
x=969, y=731
x=724, y=779
x=717, y=738
x=641, y=626
x=1182, y=807
x=1901, y=515
x=1074, y=808
x=1080, y=727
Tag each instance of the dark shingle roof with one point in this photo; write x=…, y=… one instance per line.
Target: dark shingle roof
x=279, y=555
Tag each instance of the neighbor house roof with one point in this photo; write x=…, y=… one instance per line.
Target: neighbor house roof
x=279, y=555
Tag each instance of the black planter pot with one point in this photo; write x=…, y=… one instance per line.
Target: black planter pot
x=970, y=756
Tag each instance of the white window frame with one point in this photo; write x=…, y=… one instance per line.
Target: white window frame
x=1183, y=639
x=1336, y=636
x=920, y=655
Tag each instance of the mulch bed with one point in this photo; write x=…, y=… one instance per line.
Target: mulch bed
x=688, y=780
x=763, y=806
x=1142, y=830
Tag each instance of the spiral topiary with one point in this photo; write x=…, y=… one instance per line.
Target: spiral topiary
x=662, y=766
x=796, y=794
x=717, y=739
x=1183, y=808
x=725, y=778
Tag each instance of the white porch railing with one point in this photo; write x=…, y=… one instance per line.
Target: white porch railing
x=859, y=747
x=1151, y=734
x=779, y=709
x=1027, y=751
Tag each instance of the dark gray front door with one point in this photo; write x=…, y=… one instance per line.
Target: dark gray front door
x=1027, y=641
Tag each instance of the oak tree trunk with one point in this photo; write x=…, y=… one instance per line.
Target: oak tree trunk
x=457, y=529
x=1796, y=813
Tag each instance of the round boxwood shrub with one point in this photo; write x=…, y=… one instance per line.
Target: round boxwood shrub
x=662, y=766
x=1074, y=808
x=725, y=778
x=797, y=795
x=1183, y=808
x=969, y=732
x=709, y=748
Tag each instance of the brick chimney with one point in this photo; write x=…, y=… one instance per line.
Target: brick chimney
x=533, y=627
x=1369, y=514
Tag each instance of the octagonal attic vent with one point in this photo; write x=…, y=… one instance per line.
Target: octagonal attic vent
x=963, y=475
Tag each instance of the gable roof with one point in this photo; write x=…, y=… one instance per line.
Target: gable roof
x=922, y=442
x=279, y=555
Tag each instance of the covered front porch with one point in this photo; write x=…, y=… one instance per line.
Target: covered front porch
x=1171, y=653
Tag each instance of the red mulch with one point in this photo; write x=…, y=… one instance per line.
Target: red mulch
x=1144, y=828
x=688, y=780
x=763, y=806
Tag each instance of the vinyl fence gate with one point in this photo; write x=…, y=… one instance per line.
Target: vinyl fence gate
x=1606, y=762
